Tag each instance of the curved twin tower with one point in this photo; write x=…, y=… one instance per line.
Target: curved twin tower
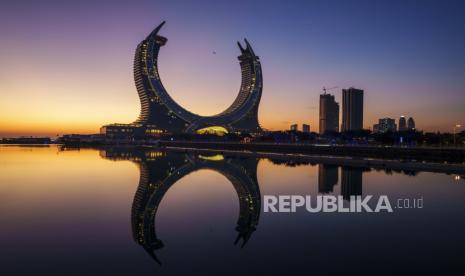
x=161, y=114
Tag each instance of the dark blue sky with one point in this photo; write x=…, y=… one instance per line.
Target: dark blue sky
x=409, y=56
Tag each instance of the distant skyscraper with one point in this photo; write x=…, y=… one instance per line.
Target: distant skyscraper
x=410, y=124
x=329, y=114
x=352, y=109
x=305, y=128
x=386, y=124
x=402, y=124
x=327, y=178
x=294, y=127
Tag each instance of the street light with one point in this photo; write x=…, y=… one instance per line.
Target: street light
x=455, y=127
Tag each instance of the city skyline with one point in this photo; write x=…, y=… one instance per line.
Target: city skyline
x=63, y=74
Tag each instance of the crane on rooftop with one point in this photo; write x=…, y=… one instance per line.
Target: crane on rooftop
x=327, y=89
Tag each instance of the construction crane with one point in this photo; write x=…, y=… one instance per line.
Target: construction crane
x=326, y=89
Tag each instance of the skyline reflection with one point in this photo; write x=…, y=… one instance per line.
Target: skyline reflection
x=160, y=170
x=119, y=210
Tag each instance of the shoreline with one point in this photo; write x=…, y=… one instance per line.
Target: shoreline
x=359, y=161
x=384, y=164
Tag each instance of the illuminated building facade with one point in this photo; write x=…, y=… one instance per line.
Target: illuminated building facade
x=385, y=125
x=161, y=114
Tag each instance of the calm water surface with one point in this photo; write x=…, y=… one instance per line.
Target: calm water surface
x=145, y=212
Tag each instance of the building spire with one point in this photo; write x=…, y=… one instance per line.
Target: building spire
x=240, y=47
x=249, y=48
x=155, y=31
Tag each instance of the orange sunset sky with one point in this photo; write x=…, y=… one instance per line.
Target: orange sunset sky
x=67, y=67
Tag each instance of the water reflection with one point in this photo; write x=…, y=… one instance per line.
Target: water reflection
x=79, y=207
x=160, y=171
x=351, y=182
x=327, y=178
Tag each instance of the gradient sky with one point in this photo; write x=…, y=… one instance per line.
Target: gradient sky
x=66, y=66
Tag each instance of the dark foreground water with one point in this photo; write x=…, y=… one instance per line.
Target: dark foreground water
x=146, y=212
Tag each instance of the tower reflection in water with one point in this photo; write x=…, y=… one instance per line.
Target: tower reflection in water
x=327, y=178
x=159, y=171
x=351, y=180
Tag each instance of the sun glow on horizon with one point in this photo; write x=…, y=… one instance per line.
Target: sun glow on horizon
x=60, y=74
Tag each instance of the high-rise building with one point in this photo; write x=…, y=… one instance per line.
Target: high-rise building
x=410, y=124
x=386, y=124
x=352, y=109
x=402, y=124
x=305, y=128
x=294, y=127
x=161, y=114
x=329, y=114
